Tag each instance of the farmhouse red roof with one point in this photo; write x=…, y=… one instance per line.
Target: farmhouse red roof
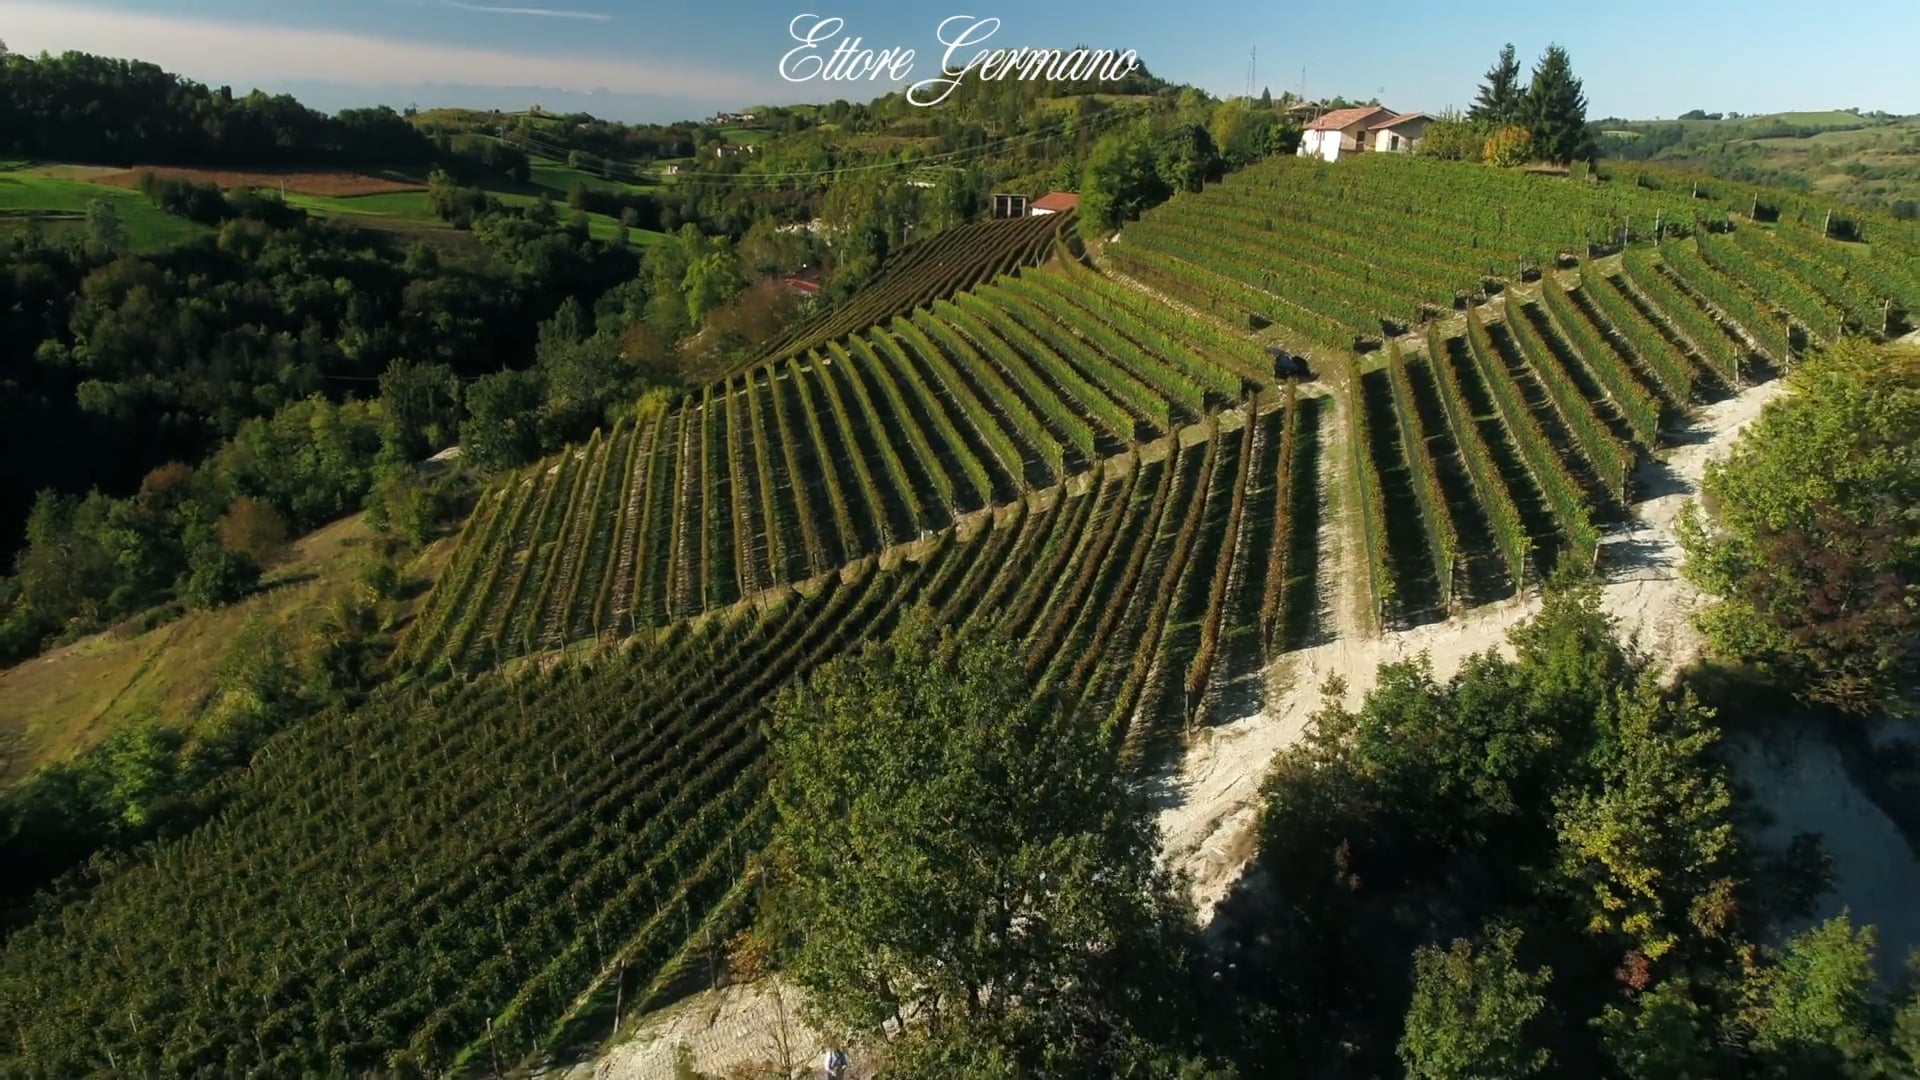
x=1396, y=121
x=1342, y=119
x=1056, y=201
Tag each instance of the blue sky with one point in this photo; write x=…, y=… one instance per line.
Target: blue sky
x=661, y=59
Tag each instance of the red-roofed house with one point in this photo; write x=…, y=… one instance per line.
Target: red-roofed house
x=805, y=281
x=1053, y=202
x=1342, y=131
x=1398, y=134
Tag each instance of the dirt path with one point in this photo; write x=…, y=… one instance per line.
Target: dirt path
x=749, y=1027
x=1208, y=830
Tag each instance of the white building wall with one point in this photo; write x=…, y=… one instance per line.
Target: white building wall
x=1321, y=144
x=1410, y=136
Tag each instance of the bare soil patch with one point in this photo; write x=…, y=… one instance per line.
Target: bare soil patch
x=338, y=183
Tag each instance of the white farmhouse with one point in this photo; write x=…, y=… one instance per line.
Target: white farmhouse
x=1342, y=131
x=1399, y=134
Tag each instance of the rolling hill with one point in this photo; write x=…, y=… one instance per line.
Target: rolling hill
x=1098, y=455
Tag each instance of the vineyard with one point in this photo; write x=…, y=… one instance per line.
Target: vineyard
x=509, y=855
x=932, y=269
x=1095, y=457
x=1340, y=257
x=792, y=469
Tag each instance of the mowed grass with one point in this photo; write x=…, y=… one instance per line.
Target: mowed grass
x=57, y=197
x=560, y=178
x=62, y=702
x=412, y=205
x=60, y=205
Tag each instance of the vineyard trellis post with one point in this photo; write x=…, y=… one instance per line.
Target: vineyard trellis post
x=619, y=996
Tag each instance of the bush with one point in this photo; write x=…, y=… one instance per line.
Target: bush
x=216, y=576
x=1509, y=146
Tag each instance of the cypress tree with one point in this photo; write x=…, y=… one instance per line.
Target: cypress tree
x=1501, y=95
x=1555, y=110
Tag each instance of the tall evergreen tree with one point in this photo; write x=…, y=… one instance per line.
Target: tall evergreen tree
x=1555, y=110
x=1501, y=95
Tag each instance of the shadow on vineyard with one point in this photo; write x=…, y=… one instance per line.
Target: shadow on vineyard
x=1419, y=586
x=1483, y=581
x=1306, y=604
x=1582, y=379
x=1534, y=512
x=1508, y=358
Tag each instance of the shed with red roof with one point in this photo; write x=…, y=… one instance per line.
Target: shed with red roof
x=1054, y=202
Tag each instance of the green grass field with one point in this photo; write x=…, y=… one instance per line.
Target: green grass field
x=561, y=177
x=60, y=205
x=57, y=196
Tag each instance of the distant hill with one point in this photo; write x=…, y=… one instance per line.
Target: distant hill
x=1844, y=154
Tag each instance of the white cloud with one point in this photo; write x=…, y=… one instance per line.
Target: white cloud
x=260, y=52
x=550, y=13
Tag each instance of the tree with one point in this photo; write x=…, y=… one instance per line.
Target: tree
x=1665, y=1035
x=1501, y=95
x=103, y=226
x=503, y=417
x=1814, y=1010
x=1812, y=548
x=1121, y=178
x=1240, y=132
x=712, y=279
x=1451, y=137
x=1470, y=1010
x=216, y=576
x=1653, y=846
x=419, y=409
x=950, y=847
x=1556, y=111
x=255, y=529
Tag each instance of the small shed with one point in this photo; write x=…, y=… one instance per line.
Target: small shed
x=1054, y=202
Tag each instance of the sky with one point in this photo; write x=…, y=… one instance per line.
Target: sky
x=658, y=60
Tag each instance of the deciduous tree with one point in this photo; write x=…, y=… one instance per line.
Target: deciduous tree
x=1812, y=545
x=1472, y=1004
x=949, y=846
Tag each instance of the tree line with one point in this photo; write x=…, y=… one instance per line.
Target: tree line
x=80, y=107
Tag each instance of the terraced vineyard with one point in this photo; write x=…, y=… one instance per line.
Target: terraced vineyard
x=1339, y=255
x=792, y=469
x=933, y=269
x=472, y=873
x=501, y=856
